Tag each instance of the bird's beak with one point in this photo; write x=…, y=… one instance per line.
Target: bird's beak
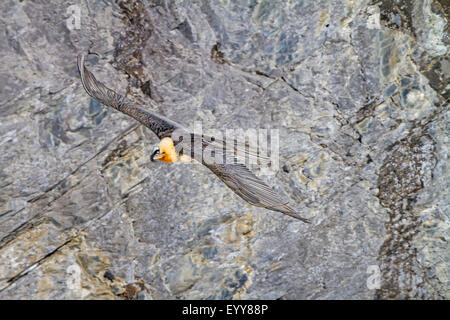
x=155, y=152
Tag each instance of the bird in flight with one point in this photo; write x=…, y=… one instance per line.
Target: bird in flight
x=179, y=144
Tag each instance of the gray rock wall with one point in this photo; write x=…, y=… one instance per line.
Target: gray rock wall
x=358, y=91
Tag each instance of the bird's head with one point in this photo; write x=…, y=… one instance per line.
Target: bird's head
x=164, y=151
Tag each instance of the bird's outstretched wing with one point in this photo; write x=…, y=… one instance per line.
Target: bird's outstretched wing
x=160, y=125
x=252, y=189
x=226, y=160
x=240, y=179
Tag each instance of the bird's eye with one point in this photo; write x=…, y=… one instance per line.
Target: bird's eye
x=155, y=153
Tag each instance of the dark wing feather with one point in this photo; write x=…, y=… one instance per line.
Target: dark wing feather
x=235, y=149
x=252, y=189
x=160, y=125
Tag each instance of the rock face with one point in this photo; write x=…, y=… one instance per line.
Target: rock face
x=358, y=91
